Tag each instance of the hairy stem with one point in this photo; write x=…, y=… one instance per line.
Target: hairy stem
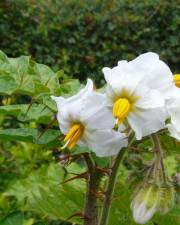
x=111, y=184
x=159, y=156
x=93, y=180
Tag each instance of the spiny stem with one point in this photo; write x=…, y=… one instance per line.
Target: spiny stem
x=159, y=154
x=93, y=180
x=110, y=189
x=111, y=184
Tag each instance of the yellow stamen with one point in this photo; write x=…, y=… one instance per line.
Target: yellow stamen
x=121, y=109
x=176, y=79
x=73, y=135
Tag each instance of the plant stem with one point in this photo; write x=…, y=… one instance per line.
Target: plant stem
x=159, y=154
x=111, y=184
x=91, y=210
x=110, y=189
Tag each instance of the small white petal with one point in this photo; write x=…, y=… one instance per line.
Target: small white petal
x=146, y=122
x=141, y=214
x=173, y=107
x=122, y=63
x=150, y=99
x=173, y=131
x=145, y=59
x=123, y=77
x=95, y=113
x=157, y=74
x=105, y=142
x=69, y=109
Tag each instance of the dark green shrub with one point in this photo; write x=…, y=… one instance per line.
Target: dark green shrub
x=83, y=36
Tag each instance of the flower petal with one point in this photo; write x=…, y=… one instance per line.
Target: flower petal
x=141, y=214
x=69, y=109
x=173, y=107
x=95, y=113
x=173, y=131
x=122, y=77
x=157, y=74
x=105, y=142
x=146, y=122
x=150, y=99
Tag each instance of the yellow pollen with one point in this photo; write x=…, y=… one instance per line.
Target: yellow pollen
x=176, y=79
x=73, y=135
x=121, y=109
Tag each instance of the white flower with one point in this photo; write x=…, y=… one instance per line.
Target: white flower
x=85, y=120
x=131, y=98
x=151, y=199
x=141, y=213
x=159, y=77
x=144, y=205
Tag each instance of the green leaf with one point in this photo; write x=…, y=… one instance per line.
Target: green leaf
x=46, y=194
x=27, y=112
x=49, y=137
x=24, y=76
x=15, y=218
x=7, y=84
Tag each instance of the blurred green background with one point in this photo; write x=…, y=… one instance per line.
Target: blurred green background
x=78, y=37
x=81, y=37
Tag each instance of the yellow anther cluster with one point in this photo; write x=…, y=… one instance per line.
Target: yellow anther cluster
x=74, y=135
x=176, y=79
x=121, y=109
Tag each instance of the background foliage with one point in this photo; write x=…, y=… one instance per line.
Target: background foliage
x=83, y=36
x=75, y=38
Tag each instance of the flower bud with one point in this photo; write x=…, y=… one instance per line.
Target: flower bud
x=144, y=204
x=166, y=197
x=150, y=199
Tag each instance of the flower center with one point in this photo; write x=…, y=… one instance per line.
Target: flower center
x=176, y=79
x=74, y=134
x=121, y=109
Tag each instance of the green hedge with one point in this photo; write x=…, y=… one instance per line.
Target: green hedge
x=82, y=36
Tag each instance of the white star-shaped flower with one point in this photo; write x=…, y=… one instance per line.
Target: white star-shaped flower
x=131, y=98
x=85, y=120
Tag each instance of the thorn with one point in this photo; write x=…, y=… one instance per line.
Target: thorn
x=29, y=106
x=76, y=214
x=46, y=83
x=106, y=171
x=44, y=108
x=21, y=80
x=47, y=128
x=50, y=109
x=61, y=137
x=98, y=194
x=75, y=157
x=78, y=176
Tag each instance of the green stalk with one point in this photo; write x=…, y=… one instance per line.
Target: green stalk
x=159, y=165
x=111, y=184
x=93, y=180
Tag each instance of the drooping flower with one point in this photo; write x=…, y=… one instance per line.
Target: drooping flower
x=150, y=199
x=131, y=99
x=85, y=120
x=144, y=204
x=166, y=198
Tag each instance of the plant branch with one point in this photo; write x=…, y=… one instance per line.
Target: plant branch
x=93, y=180
x=112, y=182
x=159, y=155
